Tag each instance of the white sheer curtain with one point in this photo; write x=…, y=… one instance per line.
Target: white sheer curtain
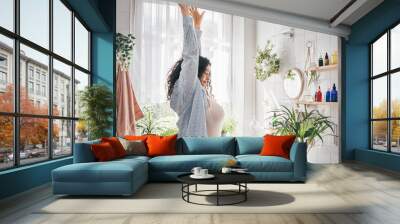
x=158, y=29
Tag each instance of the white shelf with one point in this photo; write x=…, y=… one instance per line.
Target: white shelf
x=316, y=103
x=323, y=68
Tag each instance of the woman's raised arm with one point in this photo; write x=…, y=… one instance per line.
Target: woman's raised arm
x=190, y=54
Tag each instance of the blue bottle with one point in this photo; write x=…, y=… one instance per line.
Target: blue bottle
x=334, y=93
x=328, y=95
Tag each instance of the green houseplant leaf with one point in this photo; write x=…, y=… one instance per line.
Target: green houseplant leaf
x=96, y=102
x=306, y=125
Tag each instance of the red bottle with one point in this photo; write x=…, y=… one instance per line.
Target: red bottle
x=319, y=95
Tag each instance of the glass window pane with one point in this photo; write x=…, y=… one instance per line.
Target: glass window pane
x=62, y=89
x=81, y=131
x=395, y=136
x=395, y=47
x=62, y=29
x=33, y=139
x=35, y=21
x=379, y=56
x=7, y=14
x=81, y=81
x=379, y=135
x=34, y=72
x=81, y=45
x=379, y=97
x=6, y=74
x=395, y=94
x=6, y=142
x=62, y=138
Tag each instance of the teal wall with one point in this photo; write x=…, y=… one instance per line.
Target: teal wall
x=24, y=178
x=100, y=16
x=103, y=64
x=356, y=89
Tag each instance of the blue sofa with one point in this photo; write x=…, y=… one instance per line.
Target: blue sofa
x=125, y=176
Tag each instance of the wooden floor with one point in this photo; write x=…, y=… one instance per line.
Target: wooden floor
x=377, y=188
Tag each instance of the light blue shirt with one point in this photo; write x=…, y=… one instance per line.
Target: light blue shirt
x=188, y=98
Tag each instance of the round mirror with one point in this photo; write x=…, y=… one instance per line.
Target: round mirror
x=293, y=83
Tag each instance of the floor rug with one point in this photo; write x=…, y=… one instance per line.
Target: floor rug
x=166, y=198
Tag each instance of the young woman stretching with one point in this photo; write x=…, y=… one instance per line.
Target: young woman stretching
x=189, y=85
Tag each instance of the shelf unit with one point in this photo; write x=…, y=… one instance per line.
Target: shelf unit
x=315, y=103
x=323, y=68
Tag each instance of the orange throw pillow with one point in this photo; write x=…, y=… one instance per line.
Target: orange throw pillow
x=277, y=145
x=161, y=145
x=103, y=152
x=116, y=145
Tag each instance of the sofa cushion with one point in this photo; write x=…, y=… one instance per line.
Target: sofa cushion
x=113, y=171
x=257, y=163
x=103, y=152
x=116, y=145
x=161, y=145
x=211, y=145
x=185, y=163
x=277, y=145
x=134, y=147
x=249, y=145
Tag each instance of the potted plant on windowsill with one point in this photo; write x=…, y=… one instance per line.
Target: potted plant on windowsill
x=307, y=126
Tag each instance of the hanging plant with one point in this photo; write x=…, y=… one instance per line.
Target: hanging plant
x=313, y=76
x=267, y=63
x=309, y=67
x=124, y=45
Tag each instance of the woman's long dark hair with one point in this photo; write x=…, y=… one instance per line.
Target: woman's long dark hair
x=173, y=74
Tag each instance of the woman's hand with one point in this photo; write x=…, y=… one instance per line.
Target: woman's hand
x=185, y=10
x=197, y=17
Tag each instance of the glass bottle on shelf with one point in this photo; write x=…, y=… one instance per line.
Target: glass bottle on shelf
x=334, y=93
x=320, y=61
x=328, y=95
x=319, y=95
x=326, y=61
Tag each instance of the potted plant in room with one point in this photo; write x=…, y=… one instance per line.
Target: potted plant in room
x=149, y=124
x=306, y=125
x=124, y=47
x=267, y=62
x=228, y=127
x=96, y=102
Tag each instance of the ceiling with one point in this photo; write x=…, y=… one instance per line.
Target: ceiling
x=317, y=9
x=314, y=15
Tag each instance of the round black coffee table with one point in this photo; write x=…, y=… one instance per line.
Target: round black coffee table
x=238, y=179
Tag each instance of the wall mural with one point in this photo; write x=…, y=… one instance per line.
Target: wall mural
x=205, y=73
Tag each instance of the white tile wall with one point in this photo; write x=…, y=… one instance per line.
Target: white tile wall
x=292, y=52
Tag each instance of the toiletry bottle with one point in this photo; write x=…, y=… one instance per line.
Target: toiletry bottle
x=320, y=61
x=334, y=93
x=319, y=95
x=326, y=61
x=334, y=58
x=328, y=95
x=315, y=96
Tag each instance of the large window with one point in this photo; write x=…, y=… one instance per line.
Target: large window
x=158, y=29
x=385, y=91
x=44, y=64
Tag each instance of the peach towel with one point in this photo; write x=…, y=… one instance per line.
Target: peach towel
x=128, y=109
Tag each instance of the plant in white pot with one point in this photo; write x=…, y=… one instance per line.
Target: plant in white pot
x=267, y=62
x=307, y=125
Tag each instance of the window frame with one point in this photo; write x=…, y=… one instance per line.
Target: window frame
x=16, y=114
x=388, y=74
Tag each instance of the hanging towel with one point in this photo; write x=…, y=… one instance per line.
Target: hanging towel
x=128, y=109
